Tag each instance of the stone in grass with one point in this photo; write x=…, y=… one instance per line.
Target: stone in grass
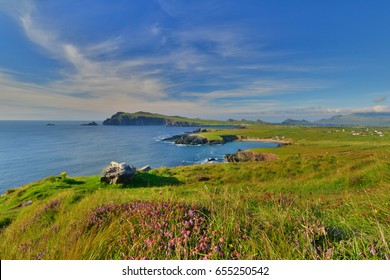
x=146, y=168
x=118, y=173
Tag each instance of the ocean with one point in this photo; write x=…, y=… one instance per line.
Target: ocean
x=31, y=150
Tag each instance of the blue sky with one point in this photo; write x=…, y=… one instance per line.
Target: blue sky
x=259, y=59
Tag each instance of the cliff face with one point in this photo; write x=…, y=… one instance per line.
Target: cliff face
x=142, y=118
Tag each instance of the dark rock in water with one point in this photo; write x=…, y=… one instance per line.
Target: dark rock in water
x=244, y=156
x=211, y=159
x=89, y=124
x=118, y=173
x=50, y=124
x=146, y=168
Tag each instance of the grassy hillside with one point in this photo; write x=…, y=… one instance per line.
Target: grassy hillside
x=325, y=197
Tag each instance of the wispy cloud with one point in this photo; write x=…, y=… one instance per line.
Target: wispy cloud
x=380, y=99
x=86, y=84
x=259, y=88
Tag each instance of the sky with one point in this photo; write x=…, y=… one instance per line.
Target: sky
x=247, y=59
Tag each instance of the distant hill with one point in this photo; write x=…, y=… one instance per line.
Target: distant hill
x=296, y=122
x=357, y=119
x=146, y=118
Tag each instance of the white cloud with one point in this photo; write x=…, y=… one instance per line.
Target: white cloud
x=381, y=109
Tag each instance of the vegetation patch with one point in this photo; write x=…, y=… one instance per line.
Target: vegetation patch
x=158, y=230
x=326, y=196
x=5, y=222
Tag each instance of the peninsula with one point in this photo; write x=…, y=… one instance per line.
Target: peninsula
x=146, y=118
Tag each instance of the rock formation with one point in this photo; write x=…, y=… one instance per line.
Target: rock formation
x=243, y=156
x=118, y=173
x=146, y=168
x=89, y=124
x=187, y=139
x=193, y=139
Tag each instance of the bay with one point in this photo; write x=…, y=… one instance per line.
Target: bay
x=31, y=150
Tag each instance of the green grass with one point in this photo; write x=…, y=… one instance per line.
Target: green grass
x=325, y=197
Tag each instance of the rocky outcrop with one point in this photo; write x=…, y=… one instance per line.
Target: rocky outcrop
x=145, y=169
x=193, y=138
x=23, y=204
x=89, y=124
x=228, y=138
x=244, y=156
x=118, y=173
x=187, y=139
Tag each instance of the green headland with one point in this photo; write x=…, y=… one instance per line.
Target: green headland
x=146, y=118
x=323, y=196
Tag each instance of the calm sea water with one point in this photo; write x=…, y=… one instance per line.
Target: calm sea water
x=30, y=150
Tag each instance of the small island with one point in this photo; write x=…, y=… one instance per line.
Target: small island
x=89, y=124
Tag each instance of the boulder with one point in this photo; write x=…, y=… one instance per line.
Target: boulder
x=146, y=168
x=244, y=156
x=118, y=173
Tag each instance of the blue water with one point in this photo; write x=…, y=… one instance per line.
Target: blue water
x=30, y=150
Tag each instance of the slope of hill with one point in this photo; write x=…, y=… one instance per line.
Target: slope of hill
x=296, y=122
x=358, y=119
